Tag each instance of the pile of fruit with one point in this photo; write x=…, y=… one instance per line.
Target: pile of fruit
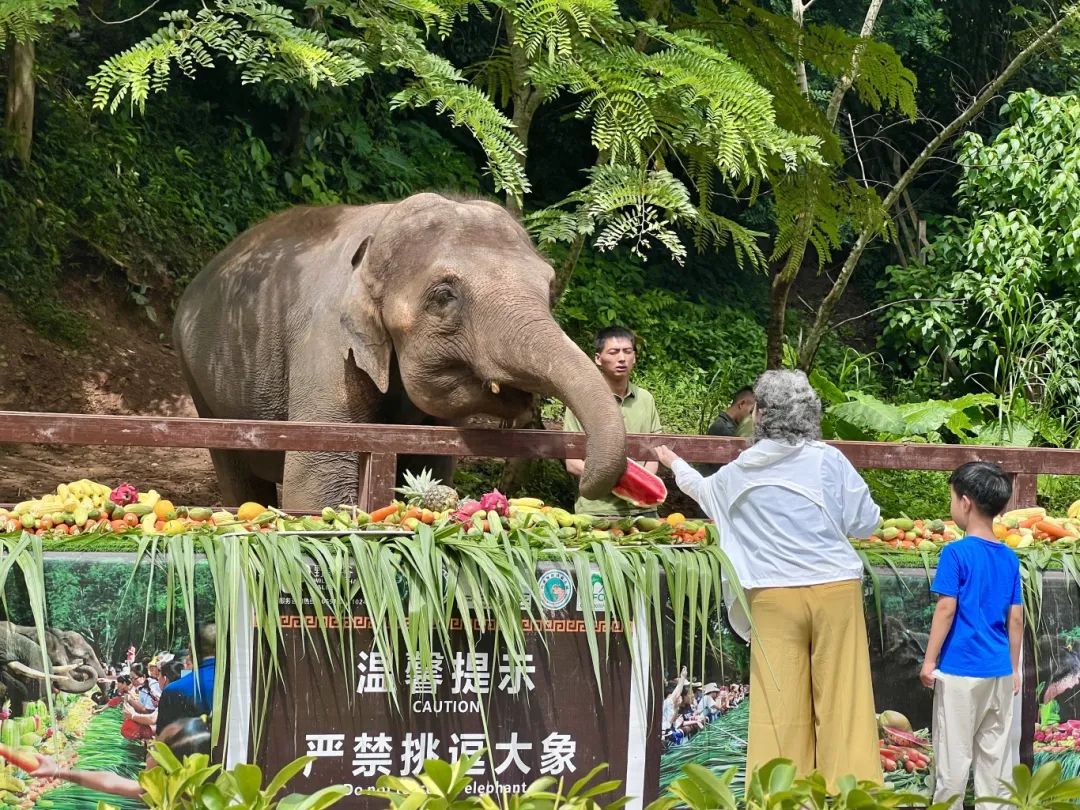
x=904, y=532
x=1018, y=528
x=20, y=739
x=88, y=507
x=1058, y=737
x=899, y=747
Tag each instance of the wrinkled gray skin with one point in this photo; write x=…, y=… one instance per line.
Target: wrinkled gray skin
x=401, y=313
x=74, y=664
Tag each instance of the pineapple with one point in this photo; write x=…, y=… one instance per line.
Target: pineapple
x=428, y=493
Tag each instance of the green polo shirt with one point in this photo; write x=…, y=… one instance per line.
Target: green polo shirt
x=639, y=415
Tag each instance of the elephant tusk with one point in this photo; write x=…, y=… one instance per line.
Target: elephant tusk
x=494, y=387
x=29, y=672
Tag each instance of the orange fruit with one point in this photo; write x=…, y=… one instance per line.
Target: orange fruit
x=162, y=508
x=675, y=518
x=249, y=511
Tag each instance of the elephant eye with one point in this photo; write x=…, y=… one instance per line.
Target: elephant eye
x=442, y=295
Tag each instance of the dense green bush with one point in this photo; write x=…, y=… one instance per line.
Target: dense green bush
x=915, y=493
x=1058, y=492
x=994, y=305
x=921, y=493
x=694, y=350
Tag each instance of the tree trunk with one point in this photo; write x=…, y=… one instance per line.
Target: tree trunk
x=525, y=100
x=19, y=111
x=828, y=305
x=797, y=12
x=785, y=278
x=778, y=298
x=848, y=79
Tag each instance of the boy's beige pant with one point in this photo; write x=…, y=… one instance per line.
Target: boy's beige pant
x=811, y=696
x=972, y=727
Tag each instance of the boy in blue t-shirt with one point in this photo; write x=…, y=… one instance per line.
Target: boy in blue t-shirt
x=973, y=653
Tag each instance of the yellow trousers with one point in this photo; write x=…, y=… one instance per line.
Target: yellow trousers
x=811, y=697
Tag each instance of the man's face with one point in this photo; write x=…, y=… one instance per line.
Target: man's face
x=617, y=358
x=743, y=408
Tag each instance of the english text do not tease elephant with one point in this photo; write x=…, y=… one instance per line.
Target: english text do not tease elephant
x=427, y=310
x=73, y=664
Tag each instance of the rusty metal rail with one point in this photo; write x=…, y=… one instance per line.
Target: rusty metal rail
x=381, y=444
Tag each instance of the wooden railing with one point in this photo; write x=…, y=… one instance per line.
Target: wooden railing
x=379, y=445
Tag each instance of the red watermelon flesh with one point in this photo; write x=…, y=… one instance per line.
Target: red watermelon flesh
x=639, y=486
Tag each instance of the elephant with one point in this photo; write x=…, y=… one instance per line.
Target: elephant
x=69, y=648
x=72, y=662
x=430, y=310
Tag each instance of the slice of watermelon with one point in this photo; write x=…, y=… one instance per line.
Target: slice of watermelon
x=904, y=738
x=640, y=487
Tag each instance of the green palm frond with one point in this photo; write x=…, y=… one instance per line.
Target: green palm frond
x=411, y=588
x=764, y=41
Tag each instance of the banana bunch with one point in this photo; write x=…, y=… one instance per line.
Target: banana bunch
x=82, y=495
x=149, y=498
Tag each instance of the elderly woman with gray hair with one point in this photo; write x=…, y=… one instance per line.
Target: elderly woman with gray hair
x=785, y=509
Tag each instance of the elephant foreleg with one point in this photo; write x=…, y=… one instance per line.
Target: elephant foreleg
x=238, y=482
x=315, y=479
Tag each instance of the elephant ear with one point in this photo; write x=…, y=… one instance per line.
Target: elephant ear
x=365, y=335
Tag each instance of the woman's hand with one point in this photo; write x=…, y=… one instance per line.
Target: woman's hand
x=47, y=768
x=665, y=455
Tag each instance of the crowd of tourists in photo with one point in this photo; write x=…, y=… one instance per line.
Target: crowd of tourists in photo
x=168, y=698
x=690, y=706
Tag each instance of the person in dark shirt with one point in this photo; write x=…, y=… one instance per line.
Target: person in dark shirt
x=730, y=420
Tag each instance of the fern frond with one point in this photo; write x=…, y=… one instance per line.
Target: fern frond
x=553, y=27
x=441, y=85
x=622, y=205
x=259, y=37
x=23, y=19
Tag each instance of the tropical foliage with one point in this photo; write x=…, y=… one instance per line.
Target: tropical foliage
x=995, y=303
x=196, y=783
x=651, y=95
x=773, y=786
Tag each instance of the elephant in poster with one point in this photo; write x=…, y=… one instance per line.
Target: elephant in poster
x=73, y=663
x=425, y=311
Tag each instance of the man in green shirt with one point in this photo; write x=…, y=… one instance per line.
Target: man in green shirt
x=616, y=354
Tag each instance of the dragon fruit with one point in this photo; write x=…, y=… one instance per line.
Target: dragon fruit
x=124, y=494
x=639, y=486
x=466, y=509
x=496, y=502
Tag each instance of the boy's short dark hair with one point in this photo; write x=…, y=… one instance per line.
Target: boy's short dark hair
x=614, y=332
x=746, y=392
x=986, y=485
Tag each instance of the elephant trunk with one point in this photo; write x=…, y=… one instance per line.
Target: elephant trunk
x=547, y=362
x=81, y=679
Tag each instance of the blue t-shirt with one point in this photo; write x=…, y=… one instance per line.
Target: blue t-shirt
x=984, y=578
x=199, y=691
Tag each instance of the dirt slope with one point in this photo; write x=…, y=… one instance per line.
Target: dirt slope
x=126, y=367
